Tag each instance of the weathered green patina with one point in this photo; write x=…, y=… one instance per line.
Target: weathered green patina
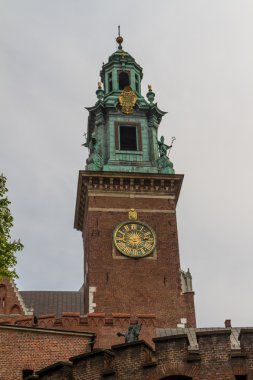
x=125, y=142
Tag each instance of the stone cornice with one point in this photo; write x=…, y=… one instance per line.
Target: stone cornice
x=47, y=330
x=127, y=183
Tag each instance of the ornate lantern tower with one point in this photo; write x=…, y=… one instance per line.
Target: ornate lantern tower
x=126, y=204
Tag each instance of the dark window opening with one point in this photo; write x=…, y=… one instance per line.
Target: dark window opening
x=2, y=298
x=26, y=373
x=123, y=80
x=128, y=139
x=110, y=81
x=136, y=83
x=240, y=377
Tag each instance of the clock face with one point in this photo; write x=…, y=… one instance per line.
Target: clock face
x=134, y=239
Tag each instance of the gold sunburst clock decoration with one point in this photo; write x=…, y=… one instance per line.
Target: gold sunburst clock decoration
x=127, y=100
x=134, y=238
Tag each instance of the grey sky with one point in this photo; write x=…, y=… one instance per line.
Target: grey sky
x=198, y=56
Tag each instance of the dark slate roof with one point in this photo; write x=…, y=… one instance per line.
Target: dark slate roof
x=53, y=302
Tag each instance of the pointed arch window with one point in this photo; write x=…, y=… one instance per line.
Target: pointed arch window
x=3, y=293
x=15, y=310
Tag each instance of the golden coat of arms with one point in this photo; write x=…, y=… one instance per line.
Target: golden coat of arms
x=132, y=214
x=127, y=100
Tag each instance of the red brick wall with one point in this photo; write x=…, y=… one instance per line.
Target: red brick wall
x=30, y=349
x=105, y=328
x=136, y=286
x=60, y=370
x=137, y=361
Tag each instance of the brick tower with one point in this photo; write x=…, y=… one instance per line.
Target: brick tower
x=126, y=205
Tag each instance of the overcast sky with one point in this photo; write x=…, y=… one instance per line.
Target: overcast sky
x=198, y=56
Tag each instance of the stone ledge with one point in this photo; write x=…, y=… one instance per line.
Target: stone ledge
x=53, y=367
x=121, y=315
x=213, y=332
x=245, y=331
x=70, y=314
x=46, y=330
x=125, y=346
x=170, y=337
x=51, y=321
x=165, y=184
x=44, y=316
x=86, y=355
x=238, y=355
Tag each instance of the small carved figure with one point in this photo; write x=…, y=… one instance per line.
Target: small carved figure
x=93, y=142
x=186, y=281
x=94, y=155
x=163, y=162
x=132, y=335
x=163, y=148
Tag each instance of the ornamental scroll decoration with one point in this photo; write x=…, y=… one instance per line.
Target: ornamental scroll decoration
x=127, y=100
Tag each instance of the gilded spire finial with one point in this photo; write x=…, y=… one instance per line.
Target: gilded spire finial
x=119, y=39
x=150, y=94
x=100, y=92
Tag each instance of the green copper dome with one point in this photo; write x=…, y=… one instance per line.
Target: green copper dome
x=122, y=125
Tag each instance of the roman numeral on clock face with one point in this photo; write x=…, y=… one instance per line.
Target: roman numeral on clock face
x=122, y=246
x=127, y=250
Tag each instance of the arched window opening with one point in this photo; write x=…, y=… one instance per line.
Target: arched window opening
x=137, y=87
x=2, y=298
x=110, y=81
x=15, y=310
x=123, y=80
